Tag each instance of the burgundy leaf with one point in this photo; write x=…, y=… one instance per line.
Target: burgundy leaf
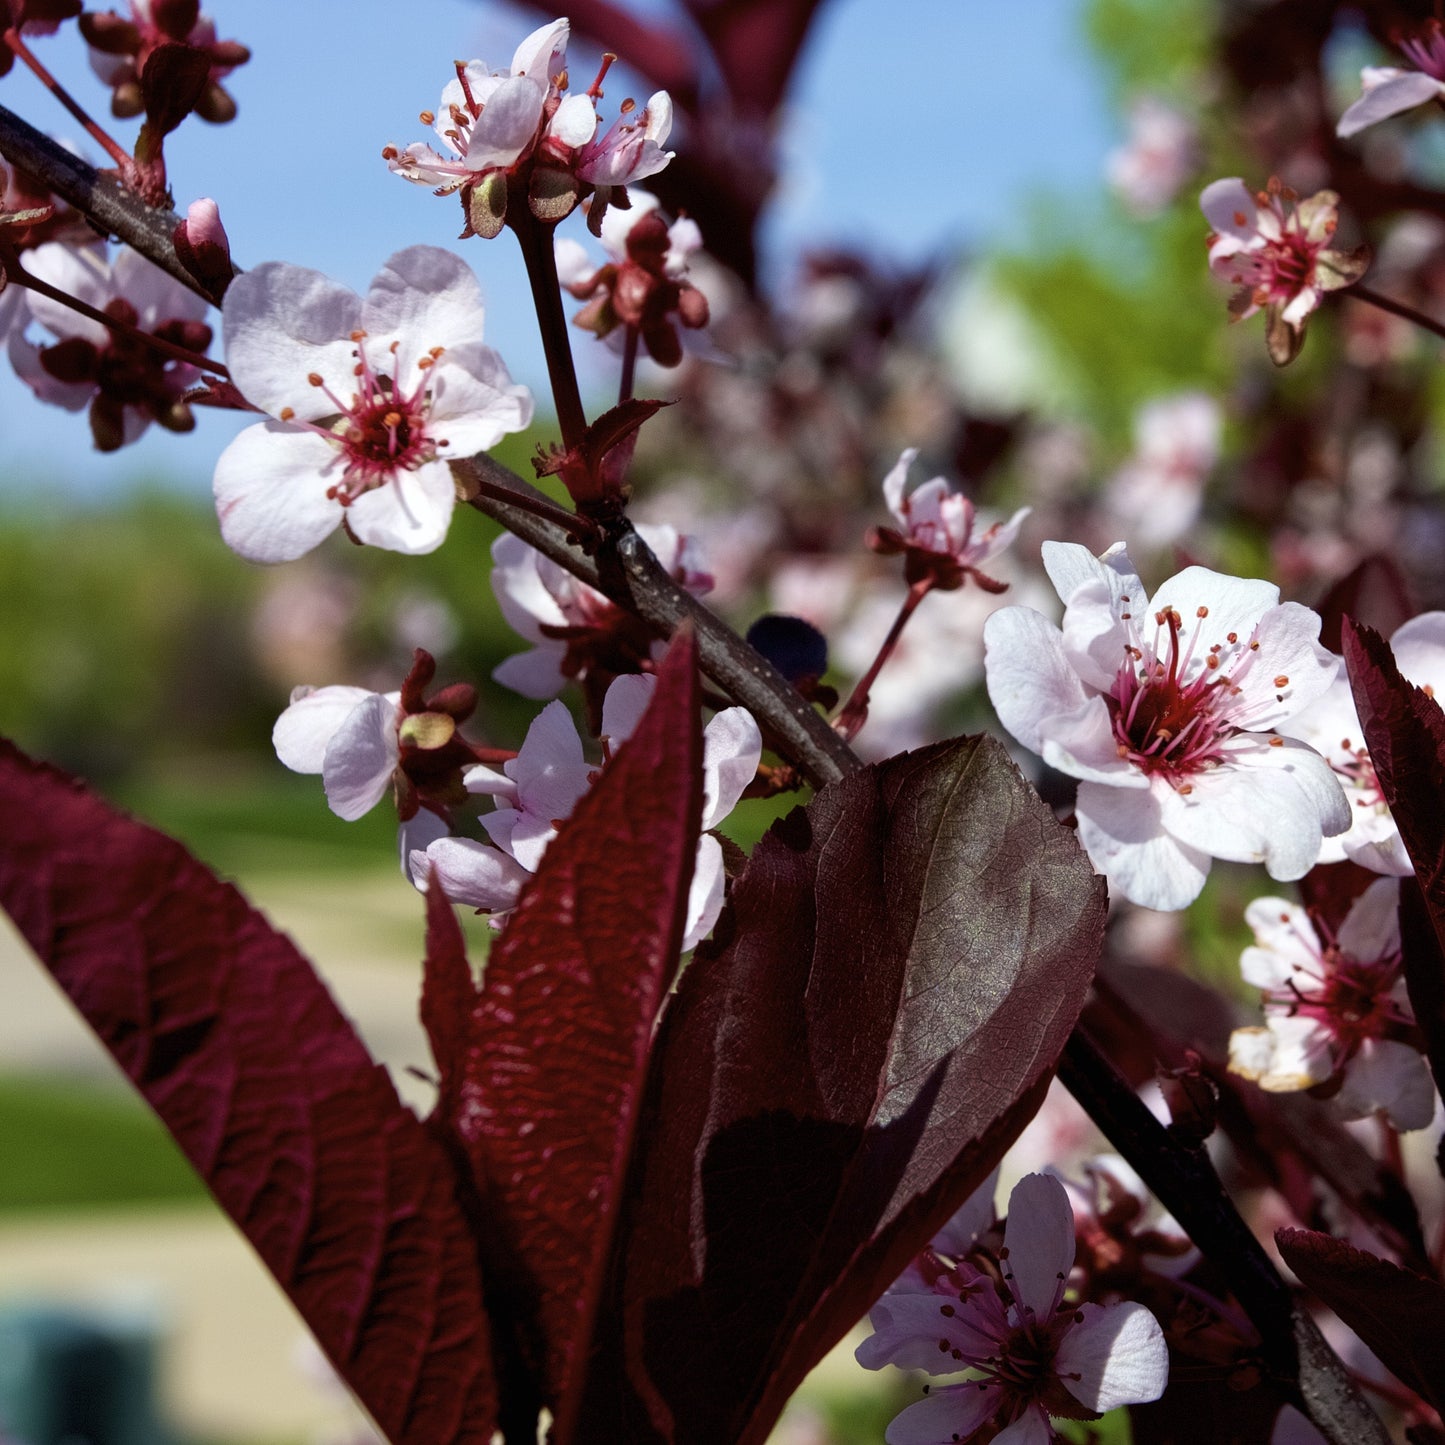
x=235, y=1042
x=1400, y=1315
x=756, y=43
x=448, y=997
x=559, y=1040
x=875, y=1020
x=1404, y=730
x=1375, y=593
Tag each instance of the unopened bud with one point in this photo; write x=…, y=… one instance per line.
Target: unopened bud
x=203, y=246
x=177, y=417
x=216, y=105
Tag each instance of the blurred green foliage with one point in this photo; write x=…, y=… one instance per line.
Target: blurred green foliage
x=69, y=1144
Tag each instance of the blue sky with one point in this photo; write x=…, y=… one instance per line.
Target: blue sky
x=914, y=130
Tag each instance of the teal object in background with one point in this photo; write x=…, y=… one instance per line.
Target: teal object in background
x=69, y=1377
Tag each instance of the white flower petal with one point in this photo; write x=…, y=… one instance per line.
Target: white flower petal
x=361, y=758
x=270, y=486
x=421, y=298
x=1230, y=209
x=1029, y=678
x=409, y=513
x=732, y=747
x=1123, y=834
x=476, y=874
x=304, y=730
x=1371, y=928
x=282, y=323
x=1039, y=1239
x=413, y=838
x=705, y=892
x=536, y=674
x=1266, y=804
x=1117, y=1353
x=948, y=1414
x=622, y=709
x=1401, y=90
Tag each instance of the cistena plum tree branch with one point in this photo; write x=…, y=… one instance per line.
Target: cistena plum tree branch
x=806, y=1122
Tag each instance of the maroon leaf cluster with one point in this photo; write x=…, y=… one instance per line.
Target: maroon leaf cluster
x=650, y=1211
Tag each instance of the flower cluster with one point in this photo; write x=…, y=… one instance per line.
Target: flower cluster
x=539, y=788
x=112, y=371
x=1003, y=1315
x=1336, y=1012
x=515, y=136
x=1166, y=712
x=644, y=286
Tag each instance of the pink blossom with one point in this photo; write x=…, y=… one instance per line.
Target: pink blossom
x=1166, y=713
x=1331, y=726
x=125, y=384
x=936, y=531
x=541, y=786
x=1389, y=91
x=1033, y=1354
x=1159, y=156
x=1160, y=490
x=371, y=397
x=1335, y=1009
x=1276, y=250
x=576, y=632
x=631, y=150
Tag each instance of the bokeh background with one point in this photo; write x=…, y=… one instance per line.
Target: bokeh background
x=982, y=239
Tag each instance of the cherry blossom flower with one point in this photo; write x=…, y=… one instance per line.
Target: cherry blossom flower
x=1335, y=1009
x=576, y=633
x=540, y=787
x=515, y=132
x=120, y=46
x=1165, y=711
x=370, y=398
x=936, y=531
x=1332, y=727
x=367, y=745
x=632, y=148
x=125, y=383
x=1160, y=490
x=1276, y=250
x=1034, y=1355
x=1159, y=156
x=644, y=285
x=1389, y=90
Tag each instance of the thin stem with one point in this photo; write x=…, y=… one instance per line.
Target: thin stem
x=540, y=257
x=1397, y=308
x=577, y=528
x=629, y=366
x=855, y=710
x=1184, y=1181
x=20, y=277
x=112, y=148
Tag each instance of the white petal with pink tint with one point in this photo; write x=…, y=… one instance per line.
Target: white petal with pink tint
x=304, y=731
x=1115, y=1355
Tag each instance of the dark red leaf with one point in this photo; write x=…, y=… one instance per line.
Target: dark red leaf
x=559, y=1040
x=876, y=1019
x=756, y=43
x=1375, y=594
x=1400, y=1315
x=235, y=1042
x=1404, y=730
x=448, y=997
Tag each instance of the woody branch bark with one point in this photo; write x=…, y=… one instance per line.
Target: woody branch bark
x=623, y=568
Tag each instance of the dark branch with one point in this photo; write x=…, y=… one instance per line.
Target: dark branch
x=111, y=207
x=1184, y=1181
